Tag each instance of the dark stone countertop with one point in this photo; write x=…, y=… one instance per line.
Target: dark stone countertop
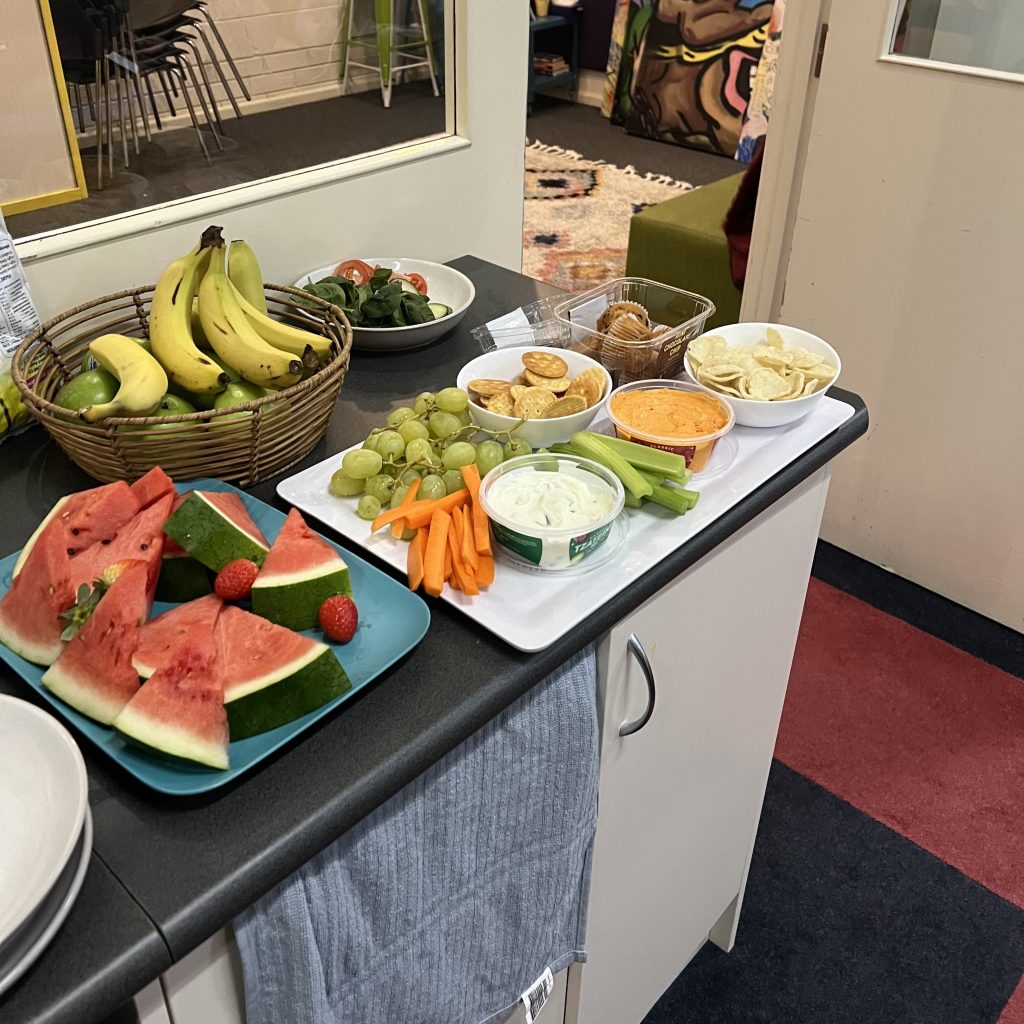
x=176, y=870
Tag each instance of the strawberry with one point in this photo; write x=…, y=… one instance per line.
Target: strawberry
x=234, y=582
x=339, y=618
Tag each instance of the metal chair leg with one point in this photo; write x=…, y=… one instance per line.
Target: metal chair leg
x=217, y=124
x=192, y=114
x=89, y=100
x=137, y=75
x=425, y=25
x=202, y=100
x=152, y=102
x=227, y=54
x=385, y=9
x=98, y=122
x=165, y=80
x=108, y=118
x=220, y=71
x=346, y=38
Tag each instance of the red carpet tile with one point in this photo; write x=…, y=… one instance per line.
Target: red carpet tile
x=921, y=736
x=1013, y=1012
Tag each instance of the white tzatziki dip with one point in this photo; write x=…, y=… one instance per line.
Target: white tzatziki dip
x=550, y=501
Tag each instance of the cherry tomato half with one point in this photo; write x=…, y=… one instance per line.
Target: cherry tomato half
x=355, y=271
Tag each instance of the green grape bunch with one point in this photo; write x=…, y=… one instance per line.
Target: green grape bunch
x=429, y=441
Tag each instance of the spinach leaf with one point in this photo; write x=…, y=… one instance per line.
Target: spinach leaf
x=416, y=312
x=380, y=278
x=382, y=305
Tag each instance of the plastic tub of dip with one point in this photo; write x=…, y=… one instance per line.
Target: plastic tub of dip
x=673, y=416
x=551, y=511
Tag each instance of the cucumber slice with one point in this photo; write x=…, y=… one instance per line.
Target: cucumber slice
x=408, y=286
x=439, y=309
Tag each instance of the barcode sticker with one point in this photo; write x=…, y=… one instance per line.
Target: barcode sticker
x=537, y=995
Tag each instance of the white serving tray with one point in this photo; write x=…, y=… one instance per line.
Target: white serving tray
x=529, y=610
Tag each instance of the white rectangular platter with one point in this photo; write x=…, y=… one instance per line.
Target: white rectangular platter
x=530, y=610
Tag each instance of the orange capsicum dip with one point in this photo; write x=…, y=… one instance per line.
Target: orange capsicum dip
x=665, y=413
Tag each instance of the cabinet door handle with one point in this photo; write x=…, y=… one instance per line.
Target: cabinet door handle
x=637, y=650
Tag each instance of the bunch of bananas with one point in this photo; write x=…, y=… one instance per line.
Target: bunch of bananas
x=13, y=412
x=211, y=343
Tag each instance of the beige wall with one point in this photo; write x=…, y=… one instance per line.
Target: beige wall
x=907, y=252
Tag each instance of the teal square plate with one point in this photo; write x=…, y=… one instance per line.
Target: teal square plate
x=392, y=621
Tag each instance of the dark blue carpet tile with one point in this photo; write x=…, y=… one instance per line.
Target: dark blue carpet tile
x=846, y=922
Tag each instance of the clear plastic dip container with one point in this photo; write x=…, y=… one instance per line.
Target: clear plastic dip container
x=550, y=510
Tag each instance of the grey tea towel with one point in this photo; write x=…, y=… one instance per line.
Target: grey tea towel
x=449, y=901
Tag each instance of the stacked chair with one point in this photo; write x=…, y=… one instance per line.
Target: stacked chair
x=113, y=51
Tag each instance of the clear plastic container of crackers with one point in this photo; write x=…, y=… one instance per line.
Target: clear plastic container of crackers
x=637, y=329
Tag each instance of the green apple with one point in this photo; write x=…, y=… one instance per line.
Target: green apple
x=170, y=405
x=93, y=387
x=236, y=393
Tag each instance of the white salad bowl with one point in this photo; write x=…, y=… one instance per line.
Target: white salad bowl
x=443, y=285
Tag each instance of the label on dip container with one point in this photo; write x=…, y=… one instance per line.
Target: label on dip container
x=553, y=552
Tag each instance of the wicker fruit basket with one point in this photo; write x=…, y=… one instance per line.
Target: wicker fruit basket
x=242, y=445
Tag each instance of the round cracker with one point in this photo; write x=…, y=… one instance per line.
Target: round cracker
x=487, y=387
x=587, y=388
x=568, y=405
x=539, y=380
x=597, y=377
x=547, y=364
x=501, y=403
x=532, y=403
x=516, y=391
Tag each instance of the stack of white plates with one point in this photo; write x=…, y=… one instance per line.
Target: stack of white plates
x=45, y=832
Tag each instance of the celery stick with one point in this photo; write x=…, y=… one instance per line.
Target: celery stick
x=593, y=447
x=672, y=498
x=642, y=457
x=631, y=502
x=691, y=496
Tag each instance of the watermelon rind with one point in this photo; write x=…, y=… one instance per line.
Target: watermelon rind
x=294, y=599
x=209, y=536
x=80, y=696
x=38, y=654
x=285, y=694
x=182, y=578
x=169, y=738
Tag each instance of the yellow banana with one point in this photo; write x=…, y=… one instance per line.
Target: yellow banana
x=281, y=335
x=143, y=381
x=246, y=276
x=170, y=327
x=233, y=338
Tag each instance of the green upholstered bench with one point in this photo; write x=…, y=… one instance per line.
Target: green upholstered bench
x=681, y=242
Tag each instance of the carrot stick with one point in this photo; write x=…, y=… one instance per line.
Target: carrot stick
x=417, y=548
x=465, y=581
x=470, y=558
x=410, y=496
x=448, y=558
x=433, y=559
x=485, y=571
x=421, y=512
x=481, y=532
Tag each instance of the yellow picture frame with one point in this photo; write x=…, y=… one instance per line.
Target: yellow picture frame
x=78, y=190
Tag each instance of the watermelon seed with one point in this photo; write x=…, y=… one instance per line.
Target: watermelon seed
x=75, y=531
x=71, y=551
x=145, y=547
x=106, y=540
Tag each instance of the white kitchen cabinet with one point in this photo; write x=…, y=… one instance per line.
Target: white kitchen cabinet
x=679, y=800
x=205, y=987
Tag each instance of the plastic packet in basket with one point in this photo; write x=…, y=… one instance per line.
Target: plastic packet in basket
x=533, y=324
x=17, y=319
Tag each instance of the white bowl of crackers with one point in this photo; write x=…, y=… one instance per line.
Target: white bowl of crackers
x=771, y=374
x=551, y=394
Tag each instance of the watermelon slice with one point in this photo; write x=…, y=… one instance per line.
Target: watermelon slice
x=154, y=485
x=180, y=710
x=300, y=573
x=28, y=612
x=94, y=672
x=271, y=675
x=164, y=637
x=89, y=517
x=215, y=528
x=182, y=578
x=141, y=538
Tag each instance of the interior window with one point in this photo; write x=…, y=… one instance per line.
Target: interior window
x=157, y=100
x=976, y=33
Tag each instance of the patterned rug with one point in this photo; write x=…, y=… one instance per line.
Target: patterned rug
x=577, y=211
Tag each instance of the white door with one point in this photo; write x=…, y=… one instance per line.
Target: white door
x=908, y=254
